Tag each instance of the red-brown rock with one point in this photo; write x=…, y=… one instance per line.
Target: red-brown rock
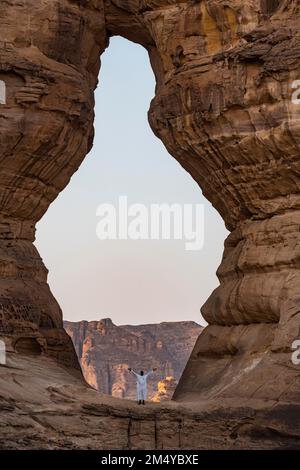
x=106, y=351
x=223, y=108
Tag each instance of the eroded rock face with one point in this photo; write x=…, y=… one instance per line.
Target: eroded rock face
x=45, y=406
x=223, y=108
x=106, y=351
x=49, y=55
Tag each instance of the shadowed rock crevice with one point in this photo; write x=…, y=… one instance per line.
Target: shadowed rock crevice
x=28, y=346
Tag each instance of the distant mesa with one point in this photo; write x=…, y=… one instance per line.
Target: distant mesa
x=105, y=352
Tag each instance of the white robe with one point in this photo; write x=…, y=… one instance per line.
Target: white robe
x=141, y=385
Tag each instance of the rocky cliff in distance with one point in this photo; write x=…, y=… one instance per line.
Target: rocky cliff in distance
x=105, y=352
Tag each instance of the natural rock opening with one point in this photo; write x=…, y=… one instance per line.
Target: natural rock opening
x=223, y=109
x=127, y=159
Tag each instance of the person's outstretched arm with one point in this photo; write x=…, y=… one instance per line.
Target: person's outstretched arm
x=151, y=371
x=132, y=371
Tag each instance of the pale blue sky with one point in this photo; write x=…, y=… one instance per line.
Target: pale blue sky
x=129, y=281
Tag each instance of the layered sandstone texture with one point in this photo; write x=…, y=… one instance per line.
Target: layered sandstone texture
x=47, y=406
x=106, y=351
x=225, y=72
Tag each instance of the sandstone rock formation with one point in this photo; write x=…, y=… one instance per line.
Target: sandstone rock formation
x=46, y=406
x=165, y=390
x=225, y=71
x=105, y=352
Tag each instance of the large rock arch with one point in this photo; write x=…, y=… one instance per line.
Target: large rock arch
x=223, y=108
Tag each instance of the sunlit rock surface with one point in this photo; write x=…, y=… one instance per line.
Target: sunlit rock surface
x=165, y=389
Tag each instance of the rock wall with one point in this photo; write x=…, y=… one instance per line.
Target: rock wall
x=105, y=352
x=223, y=108
x=49, y=61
